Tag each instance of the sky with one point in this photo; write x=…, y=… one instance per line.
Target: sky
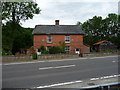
x=69, y=12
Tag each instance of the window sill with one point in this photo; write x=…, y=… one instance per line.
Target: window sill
x=49, y=42
x=67, y=42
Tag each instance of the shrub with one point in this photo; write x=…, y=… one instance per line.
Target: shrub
x=34, y=56
x=108, y=51
x=43, y=50
x=56, y=50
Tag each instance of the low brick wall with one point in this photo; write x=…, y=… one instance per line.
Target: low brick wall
x=16, y=58
x=41, y=57
x=100, y=54
x=52, y=56
x=57, y=56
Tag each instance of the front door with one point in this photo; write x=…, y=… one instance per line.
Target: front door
x=77, y=50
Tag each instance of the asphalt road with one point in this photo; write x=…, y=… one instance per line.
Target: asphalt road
x=37, y=74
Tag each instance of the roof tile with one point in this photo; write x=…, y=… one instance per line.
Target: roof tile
x=57, y=29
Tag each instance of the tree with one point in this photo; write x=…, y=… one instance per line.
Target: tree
x=15, y=11
x=92, y=29
x=16, y=37
x=98, y=29
x=113, y=28
x=22, y=39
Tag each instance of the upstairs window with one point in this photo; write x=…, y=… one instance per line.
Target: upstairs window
x=49, y=39
x=67, y=39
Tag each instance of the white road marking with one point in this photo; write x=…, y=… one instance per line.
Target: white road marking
x=115, y=75
x=79, y=81
x=105, y=77
x=67, y=66
x=60, y=84
x=113, y=61
x=92, y=79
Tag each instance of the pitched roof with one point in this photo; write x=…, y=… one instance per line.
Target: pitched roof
x=57, y=29
x=100, y=42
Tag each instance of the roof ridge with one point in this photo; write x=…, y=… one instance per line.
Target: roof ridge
x=57, y=25
x=100, y=42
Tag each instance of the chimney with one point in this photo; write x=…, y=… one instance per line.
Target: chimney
x=56, y=22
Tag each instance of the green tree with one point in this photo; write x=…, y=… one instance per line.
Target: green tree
x=92, y=29
x=17, y=11
x=113, y=28
x=16, y=37
x=98, y=29
x=22, y=39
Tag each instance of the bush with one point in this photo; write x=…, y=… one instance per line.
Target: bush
x=108, y=50
x=56, y=50
x=34, y=56
x=43, y=50
x=6, y=53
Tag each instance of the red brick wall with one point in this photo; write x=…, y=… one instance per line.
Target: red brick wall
x=76, y=41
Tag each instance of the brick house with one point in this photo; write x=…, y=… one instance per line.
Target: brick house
x=52, y=35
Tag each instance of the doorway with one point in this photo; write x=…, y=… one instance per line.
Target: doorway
x=77, y=50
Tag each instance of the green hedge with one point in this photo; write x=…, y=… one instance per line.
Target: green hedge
x=56, y=50
x=34, y=56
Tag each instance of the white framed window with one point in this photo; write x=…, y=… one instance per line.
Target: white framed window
x=67, y=49
x=49, y=39
x=67, y=39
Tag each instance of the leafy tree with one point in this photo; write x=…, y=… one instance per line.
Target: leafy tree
x=16, y=37
x=112, y=29
x=98, y=29
x=7, y=40
x=15, y=11
x=92, y=29
x=22, y=39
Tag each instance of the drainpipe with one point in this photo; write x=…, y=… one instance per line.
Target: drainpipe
x=81, y=54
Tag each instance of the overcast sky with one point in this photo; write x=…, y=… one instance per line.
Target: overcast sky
x=71, y=11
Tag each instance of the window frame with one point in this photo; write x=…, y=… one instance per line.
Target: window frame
x=49, y=39
x=68, y=48
x=67, y=39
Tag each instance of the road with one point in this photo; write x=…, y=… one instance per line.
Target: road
x=58, y=72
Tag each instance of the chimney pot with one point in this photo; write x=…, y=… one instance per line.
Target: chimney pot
x=56, y=22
